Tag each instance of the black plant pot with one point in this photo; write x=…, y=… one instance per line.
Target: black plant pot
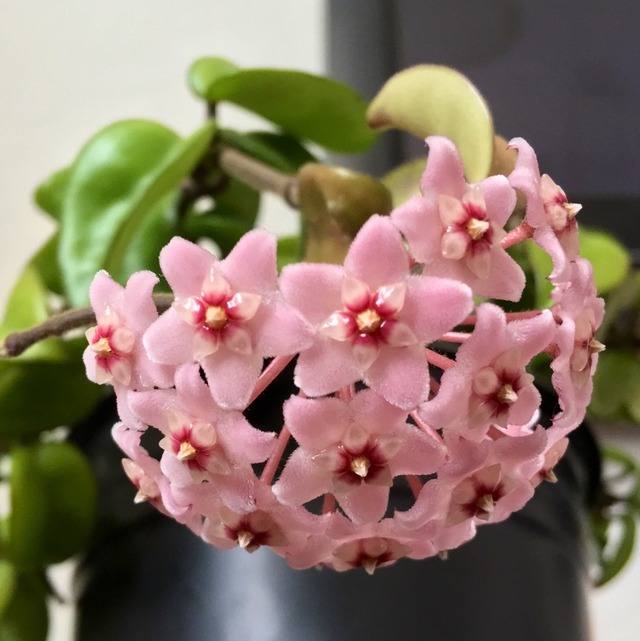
x=147, y=577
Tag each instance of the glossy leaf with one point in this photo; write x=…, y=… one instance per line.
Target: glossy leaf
x=39, y=395
x=289, y=250
x=609, y=258
x=616, y=386
x=307, y=106
x=26, y=617
x=116, y=182
x=334, y=204
x=611, y=564
x=403, y=182
x=434, y=100
x=45, y=262
x=204, y=72
x=50, y=194
x=8, y=580
x=53, y=503
x=279, y=151
x=541, y=267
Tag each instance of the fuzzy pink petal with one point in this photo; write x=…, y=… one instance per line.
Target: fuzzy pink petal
x=418, y=219
x=370, y=409
x=251, y=264
x=185, y=266
x=313, y=288
x=244, y=443
x=140, y=309
x=534, y=334
x=444, y=409
x=169, y=340
x=232, y=377
x=524, y=408
x=400, y=375
x=316, y=423
x=444, y=173
x=301, y=480
x=419, y=454
x=280, y=329
x=434, y=306
x=365, y=503
x=326, y=367
x=377, y=256
x=499, y=198
x=105, y=293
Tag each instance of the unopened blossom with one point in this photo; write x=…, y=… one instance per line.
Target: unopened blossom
x=115, y=354
x=228, y=315
x=489, y=384
x=455, y=228
x=352, y=449
x=372, y=317
x=548, y=211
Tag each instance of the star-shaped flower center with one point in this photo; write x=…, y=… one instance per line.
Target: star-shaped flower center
x=219, y=316
x=112, y=343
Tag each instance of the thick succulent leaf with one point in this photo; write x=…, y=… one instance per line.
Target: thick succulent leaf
x=28, y=306
x=280, y=151
x=434, y=100
x=8, y=579
x=609, y=258
x=45, y=262
x=49, y=195
x=307, y=106
x=403, y=182
x=39, y=395
x=616, y=386
x=53, y=503
x=206, y=71
x=26, y=617
x=334, y=204
x=116, y=182
x=289, y=250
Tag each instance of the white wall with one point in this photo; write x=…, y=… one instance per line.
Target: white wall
x=69, y=67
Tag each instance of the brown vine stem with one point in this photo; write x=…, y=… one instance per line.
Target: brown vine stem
x=259, y=176
x=58, y=325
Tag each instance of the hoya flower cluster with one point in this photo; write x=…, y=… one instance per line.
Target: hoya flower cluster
x=383, y=404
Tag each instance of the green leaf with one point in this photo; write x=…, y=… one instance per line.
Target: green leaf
x=431, y=99
x=205, y=72
x=53, y=503
x=280, y=151
x=616, y=386
x=289, y=250
x=8, y=579
x=39, y=395
x=306, y=106
x=612, y=564
x=26, y=617
x=49, y=195
x=403, y=182
x=609, y=258
x=541, y=268
x=45, y=262
x=116, y=182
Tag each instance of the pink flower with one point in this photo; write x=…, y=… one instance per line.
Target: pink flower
x=455, y=229
x=372, y=318
x=489, y=383
x=549, y=211
x=115, y=354
x=200, y=438
x=353, y=449
x=228, y=315
x=580, y=314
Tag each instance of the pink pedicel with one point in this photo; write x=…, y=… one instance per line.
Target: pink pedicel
x=407, y=380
